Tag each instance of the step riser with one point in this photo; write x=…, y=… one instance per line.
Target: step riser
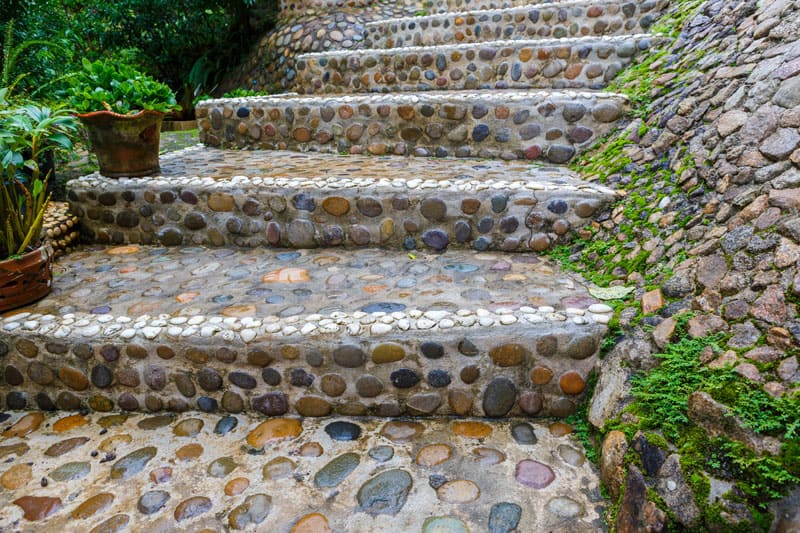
x=524, y=128
x=576, y=20
x=191, y=212
x=503, y=65
x=34, y=371
x=444, y=6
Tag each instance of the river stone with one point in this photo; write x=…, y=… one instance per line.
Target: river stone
x=92, y=506
x=534, y=474
x=71, y=471
x=225, y=425
x=64, y=446
x=504, y=517
x=499, y=397
x=188, y=428
x=381, y=453
x=349, y=356
x=402, y=431
x=458, y=491
x=253, y=510
x=133, y=463
x=155, y=422
x=336, y=470
x=17, y=476
x=152, y=501
x=38, y=507
x=272, y=430
x=443, y=524
x=564, y=507
x=192, y=507
x=523, y=433
x=385, y=493
x=343, y=431
x=278, y=468
x=222, y=467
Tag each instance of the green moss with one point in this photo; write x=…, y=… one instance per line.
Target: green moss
x=579, y=421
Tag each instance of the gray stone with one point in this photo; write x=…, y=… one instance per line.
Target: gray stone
x=676, y=493
x=504, y=517
x=780, y=144
x=152, y=501
x=133, y=463
x=499, y=397
x=523, y=433
x=788, y=94
x=336, y=470
x=385, y=493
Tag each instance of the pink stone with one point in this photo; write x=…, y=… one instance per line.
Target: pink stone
x=534, y=474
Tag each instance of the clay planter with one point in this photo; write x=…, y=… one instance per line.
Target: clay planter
x=125, y=145
x=26, y=279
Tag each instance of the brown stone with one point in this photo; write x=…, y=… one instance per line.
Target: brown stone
x=73, y=378
x=471, y=430
x=530, y=402
x=541, y=375
x=559, y=429
x=278, y=468
x=69, y=422
x=236, y=486
x=38, y=507
x=25, y=425
x=652, y=301
x=458, y=491
x=313, y=406
x=161, y=475
x=92, y=506
x=218, y=201
x=336, y=205
x=388, y=353
x=17, y=476
x=636, y=514
x=508, y=354
x=470, y=374
x=400, y=431
x=311, y=523
x=60, y=448
x=333, y=384
x=189, y=452
x=470, y=206
x=433, y=454
x=272, y=430
x=301, y=135
x=27, y=348
x=460, y=402
x=572, y=383
x=192, y=507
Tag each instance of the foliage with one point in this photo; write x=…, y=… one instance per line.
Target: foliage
x=580, y=422
x=23, y=210
x=120, y=88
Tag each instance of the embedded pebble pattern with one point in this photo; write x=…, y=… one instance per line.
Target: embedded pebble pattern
x=377, y=481
x=264, y=340
x=563, y=19
x=549, y=126
x=310, y=200
x=573, y=63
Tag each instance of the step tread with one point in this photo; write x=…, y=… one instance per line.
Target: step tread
x=562, y=490
x=282, y=170
x=510, y=43
x=482, y=11
x=414, y=97
x=140, y=291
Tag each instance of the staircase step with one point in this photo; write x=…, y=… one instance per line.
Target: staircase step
x=446, y=6
x=546, y=125
x=237, y=198
x=308, y=332
x=196, y=472
x=558, y=20
x=574, y=63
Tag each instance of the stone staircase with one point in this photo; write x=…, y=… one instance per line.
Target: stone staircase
x=364, y=249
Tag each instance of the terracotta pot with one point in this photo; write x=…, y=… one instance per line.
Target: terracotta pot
x=125, y=145
x=26, y=279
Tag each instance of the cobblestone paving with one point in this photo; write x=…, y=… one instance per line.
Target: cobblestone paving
x=199, y=472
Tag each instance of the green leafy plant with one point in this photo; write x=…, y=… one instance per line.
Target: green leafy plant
x=27, y=133
x=120, y=88
x=10, y=54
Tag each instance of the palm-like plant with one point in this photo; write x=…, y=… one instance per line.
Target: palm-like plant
x=26, y=133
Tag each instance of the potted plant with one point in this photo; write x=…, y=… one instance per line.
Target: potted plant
x=26, y=134
x=122, y=110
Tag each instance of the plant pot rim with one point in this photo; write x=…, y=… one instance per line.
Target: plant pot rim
x=32, y=249
x=106, y=113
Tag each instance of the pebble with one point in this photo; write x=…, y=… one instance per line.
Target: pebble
x=133, y=463
x=504, y=517
x=152, y=501
x=336, y=470
x=385, y=493
x=534, y=474
x=192, y=507
x=343, y=431
x=458, y=491
x=443, y=524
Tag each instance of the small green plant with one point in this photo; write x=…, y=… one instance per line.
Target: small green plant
x=10, y=55
x=119, y=88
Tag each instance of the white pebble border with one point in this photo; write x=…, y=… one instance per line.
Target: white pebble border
x=252, y=329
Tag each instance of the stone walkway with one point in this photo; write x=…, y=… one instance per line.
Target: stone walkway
x=198, y=472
